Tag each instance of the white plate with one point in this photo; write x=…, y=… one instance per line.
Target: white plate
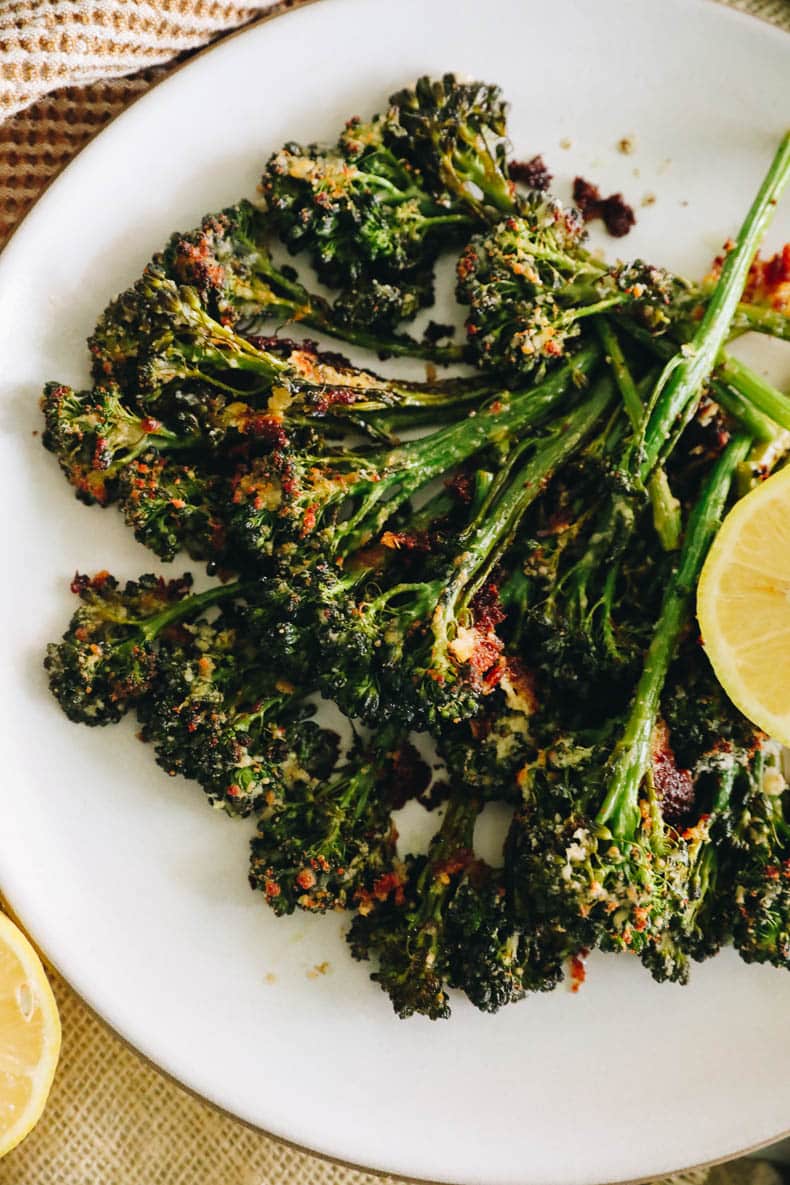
x=133, y=887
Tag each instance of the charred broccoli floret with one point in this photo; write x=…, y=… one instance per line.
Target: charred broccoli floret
x=173, y=507
x=316, y=848
x=760, y=887
x=362, y=215
x=530, y=287
x=159, y=333
x=490, y=957
x=455, y=133
x=375, y=210
x=95, y=435
x=219, y=715
x=227, y=262
x=444, y=920
x=107, y=659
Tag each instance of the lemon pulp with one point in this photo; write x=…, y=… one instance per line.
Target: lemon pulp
x=743, y=605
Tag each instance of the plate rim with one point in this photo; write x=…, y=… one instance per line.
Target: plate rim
x=281, y=8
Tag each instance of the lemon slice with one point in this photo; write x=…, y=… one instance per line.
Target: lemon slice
x=743, y=605
x=29, y=1036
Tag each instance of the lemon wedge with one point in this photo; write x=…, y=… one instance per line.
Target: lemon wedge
x=743, y=606
x=29, y=1036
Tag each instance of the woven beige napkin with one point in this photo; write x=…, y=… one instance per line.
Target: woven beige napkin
x=112, y=1119
x=46, y=44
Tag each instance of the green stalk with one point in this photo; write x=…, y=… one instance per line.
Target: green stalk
x=631, y=757
x=665, y=506
x=494, y=529
x=150, y=627
x=244, y=723
x=162, y=439
x=743, y=391
x=407, y=468
x=632, y=400
x=499, y=419
x=667, y=518
x=758, y=426
x=239, y=355
x=403, y=397
x=685, y=374
x=761, y=319
x=766, y=398
x=761, y=461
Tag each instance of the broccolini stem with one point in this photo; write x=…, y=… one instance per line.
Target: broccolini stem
x=407, y=468
x=241, y=355
x=446, y=220
x=762, y=460
x=631, y=756
x=758, y=426
x=162, y=439
x=150, y=627
x=262, y=709
x=494, y=190
x=665, y=506
x=766, y=398
x=494, y=529
x=449, y=393
x=684, y=375
x=457, y=829
x=388, y=425
x=632, y=400
x=725, y=782
x=745, y=388
x=500, y=418
x=596, y=307
x=761, y=319
x=451, y=849
x=399, y=345
x=666, y=510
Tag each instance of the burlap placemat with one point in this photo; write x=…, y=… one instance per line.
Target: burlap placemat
x=112, y=1119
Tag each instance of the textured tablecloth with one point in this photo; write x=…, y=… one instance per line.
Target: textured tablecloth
x=112, y=1119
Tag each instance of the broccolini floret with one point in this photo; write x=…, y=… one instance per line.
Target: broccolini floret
x=323, y=841
x=445, y=920
x=220, y=716
x=173, y=507
x=95, y=435
x=455, y=133
x=760, y=886
x=227, y=261
x=530, y=287
x=107, y=659
x=362, y=214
